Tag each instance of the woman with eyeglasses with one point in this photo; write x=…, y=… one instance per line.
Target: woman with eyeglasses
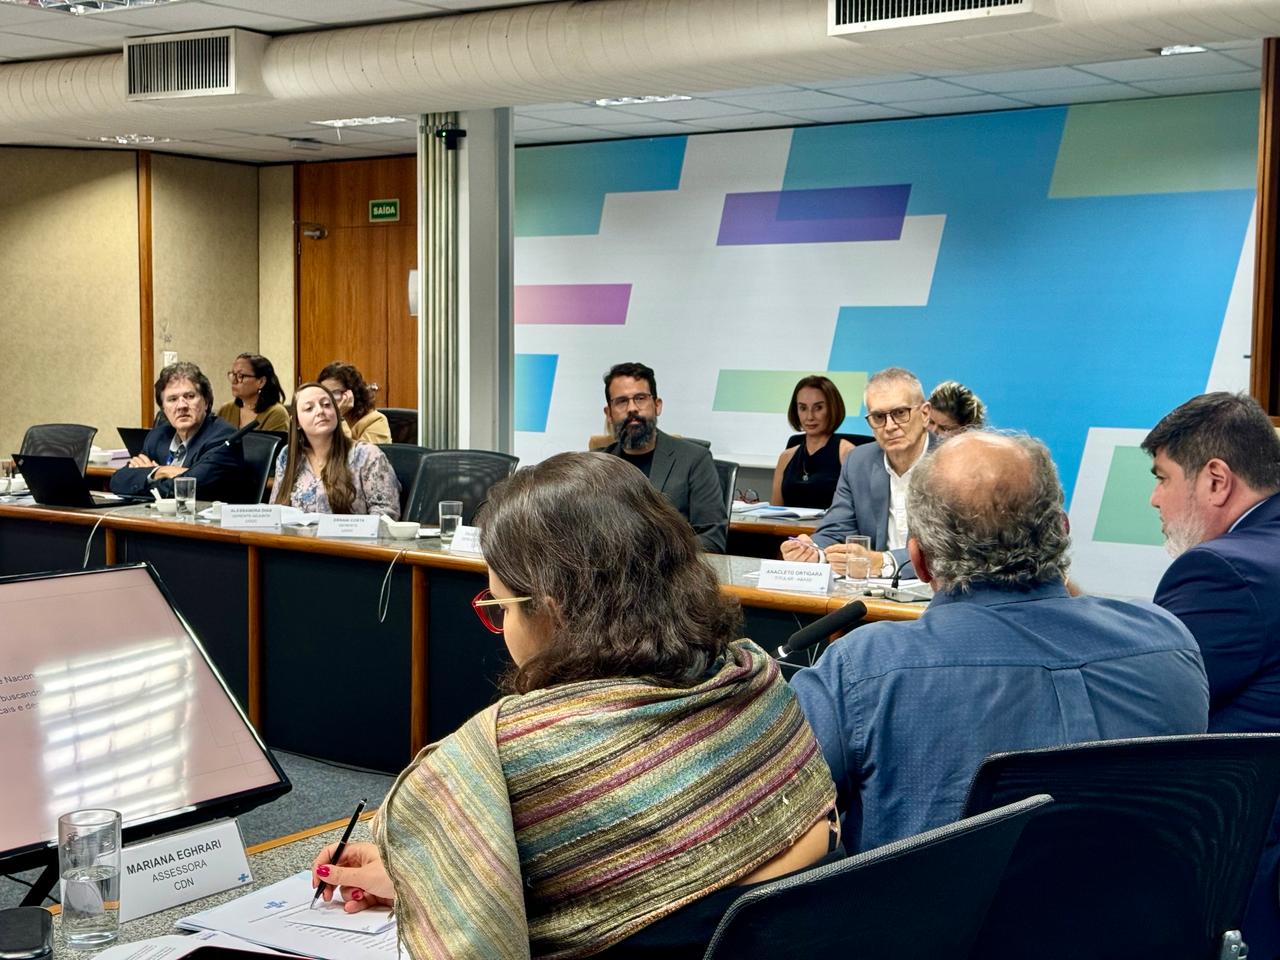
x=361, y=421
x=257, y=395
x=954, y=408
x=321, y=471
x=809, y=469
x=645, y=767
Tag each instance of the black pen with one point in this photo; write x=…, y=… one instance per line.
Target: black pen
x=342, y=845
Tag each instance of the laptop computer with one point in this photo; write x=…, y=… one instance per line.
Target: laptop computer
x=57, y=482
x=133, y=438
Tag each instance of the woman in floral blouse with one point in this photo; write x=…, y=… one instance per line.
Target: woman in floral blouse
x=323, y=471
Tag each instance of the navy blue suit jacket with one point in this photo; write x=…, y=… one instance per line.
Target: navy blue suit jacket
x=1227, y=591
x=218, y=469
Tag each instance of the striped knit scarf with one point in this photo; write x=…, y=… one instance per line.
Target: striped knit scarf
x=557, y=823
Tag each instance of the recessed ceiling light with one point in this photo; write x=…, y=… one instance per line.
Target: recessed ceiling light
x=359, y=121
x=130, y=139
x=1177, y=48
x=78, y=7
x=628, y=101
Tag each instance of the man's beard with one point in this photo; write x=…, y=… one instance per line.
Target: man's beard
x=1186, y=532
x=636, y=433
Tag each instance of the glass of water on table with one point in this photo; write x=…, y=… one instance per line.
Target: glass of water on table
x=184, y=492
x=450, y=520
x=857, y=570
x=89, y=867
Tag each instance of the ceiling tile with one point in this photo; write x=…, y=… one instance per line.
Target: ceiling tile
x=785, y=102
x=108, y=33
x=838, y=85
x=852, y=113
x=1066, y=95
x=1250, y=56
x=1014, y=80
x=1160, y=68
x=178, y=17
x=906, y=90
x=1177, y=86
x=331, y=11
x=978, y=104
x=577, y=113
x=655, y=128
x=11, y=14
x=18, y=48
x=522, y=123
x=777, y=88
x=748, y=121
x=682, y=109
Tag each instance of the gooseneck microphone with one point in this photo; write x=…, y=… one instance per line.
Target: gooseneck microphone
x=840, y=621
x=236, y=437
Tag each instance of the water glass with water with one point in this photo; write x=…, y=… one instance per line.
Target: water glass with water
x=450, y=520
x=89, y=867
x=184, y=491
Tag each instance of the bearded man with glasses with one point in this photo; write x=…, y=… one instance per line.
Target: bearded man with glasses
x=871, y=497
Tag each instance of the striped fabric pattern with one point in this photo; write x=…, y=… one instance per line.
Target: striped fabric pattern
x=564, y=820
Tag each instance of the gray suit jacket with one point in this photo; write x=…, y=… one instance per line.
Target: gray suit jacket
x=861, y=503
x=685, y=474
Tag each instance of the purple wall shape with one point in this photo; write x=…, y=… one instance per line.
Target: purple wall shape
x=831, y=215
x=573, y=303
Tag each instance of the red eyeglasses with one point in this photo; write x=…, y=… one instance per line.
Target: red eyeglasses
x=491, y=611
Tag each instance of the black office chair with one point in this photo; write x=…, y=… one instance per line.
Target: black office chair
x=60, y=440
x=464, y=475
x=403, y=423
x=406, y=461
x=1149, y=850
x=728, y=473
x=922, y=897
x=259, y=450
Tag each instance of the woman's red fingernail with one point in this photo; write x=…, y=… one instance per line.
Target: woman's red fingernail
x=322, y=871
x=357, y=894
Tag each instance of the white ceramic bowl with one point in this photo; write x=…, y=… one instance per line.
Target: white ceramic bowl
x=167, y=507
x=100, y=457
x=401, y=529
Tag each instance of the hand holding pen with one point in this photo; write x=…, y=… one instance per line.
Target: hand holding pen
x=325, y=871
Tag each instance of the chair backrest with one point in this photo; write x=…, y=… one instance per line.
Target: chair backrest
x=60, y=440
x=857, y=439
x=403, y=423
x=464, y=475
x=259, y=460
x=920, y=897
x=1148, y=851
x=406, y=461
x=728, y=473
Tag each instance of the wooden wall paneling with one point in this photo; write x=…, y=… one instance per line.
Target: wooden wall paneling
x=1265, y=368
x=338, y=194
x=401, y=387
x=146, y=293
x=342, y=307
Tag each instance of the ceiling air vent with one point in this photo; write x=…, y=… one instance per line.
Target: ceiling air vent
x=896, y=21
x=210, y=63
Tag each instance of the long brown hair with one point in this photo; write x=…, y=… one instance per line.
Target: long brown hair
x=612, y=567
x=339, y=486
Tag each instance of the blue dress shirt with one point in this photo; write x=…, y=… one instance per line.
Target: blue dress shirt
x=905, y=712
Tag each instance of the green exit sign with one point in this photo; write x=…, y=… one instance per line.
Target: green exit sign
x=384, y=210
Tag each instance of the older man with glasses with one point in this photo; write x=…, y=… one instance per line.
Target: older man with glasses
x=871, y=497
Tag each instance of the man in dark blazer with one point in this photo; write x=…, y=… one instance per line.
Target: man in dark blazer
x=188, y=441
x=871, y=497
x=681, y=470
x=1216, y=460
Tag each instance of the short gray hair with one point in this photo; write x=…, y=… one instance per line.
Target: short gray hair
x=895, y=375
x=1012, y=534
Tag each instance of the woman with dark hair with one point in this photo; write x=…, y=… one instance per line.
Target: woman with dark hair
x=257, y=395
x=321, y=471
x=809, y=469
x=645, y=767
x=954, y=408
x=360, y=421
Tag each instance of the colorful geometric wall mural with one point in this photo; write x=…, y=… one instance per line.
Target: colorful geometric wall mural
x=1079, y=267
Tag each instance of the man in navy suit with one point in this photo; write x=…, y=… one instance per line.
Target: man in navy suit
x=187, y=442
x=871, y=497
x=680, y=470
x=1216, y=460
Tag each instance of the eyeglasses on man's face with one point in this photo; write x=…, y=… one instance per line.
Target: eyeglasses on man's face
x=878, y=418
x=639, y=399
x=491, y=611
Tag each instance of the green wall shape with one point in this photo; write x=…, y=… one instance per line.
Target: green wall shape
x=769, y=391
x=1167, y=145
x=1126, y=514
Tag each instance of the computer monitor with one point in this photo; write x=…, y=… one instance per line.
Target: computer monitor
x=107, y=699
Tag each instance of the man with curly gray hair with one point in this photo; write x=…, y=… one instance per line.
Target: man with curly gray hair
x=1003, y=658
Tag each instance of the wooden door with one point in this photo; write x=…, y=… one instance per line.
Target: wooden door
x=352, y=300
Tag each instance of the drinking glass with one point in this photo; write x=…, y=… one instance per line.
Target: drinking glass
x=184, y=491
x=450, y=520
x=857, y=540
x=89, y=867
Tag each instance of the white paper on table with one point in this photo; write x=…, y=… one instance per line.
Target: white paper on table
x=270, y=916
x=332, y=916
x=176, y=945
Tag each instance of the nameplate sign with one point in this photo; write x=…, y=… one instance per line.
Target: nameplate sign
x=250, y=516
x=365, y=526
x=796, y=577
x=466, y=540
x=181, y=867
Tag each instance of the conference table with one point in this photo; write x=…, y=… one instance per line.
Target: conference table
x=380, y=632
